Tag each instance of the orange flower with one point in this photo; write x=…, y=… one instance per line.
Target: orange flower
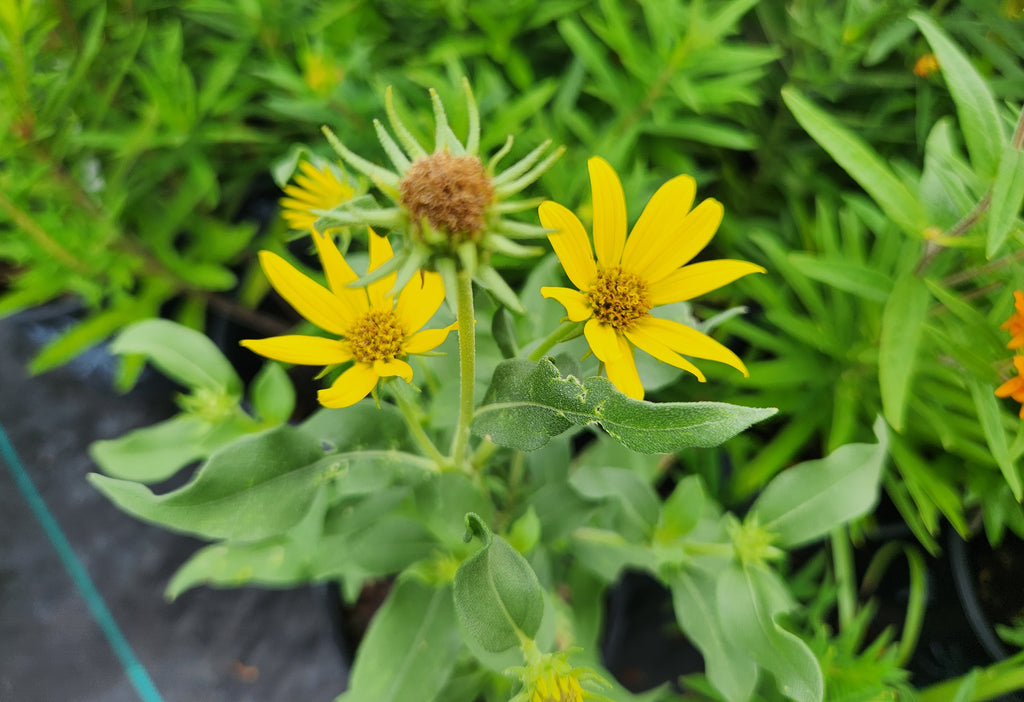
x=926, y=65
x=1015, y=324
x=1014, y=387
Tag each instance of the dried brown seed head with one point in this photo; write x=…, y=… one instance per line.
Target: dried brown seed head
x=451, y=192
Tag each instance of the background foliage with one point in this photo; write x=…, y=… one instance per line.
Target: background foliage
x=139, y=141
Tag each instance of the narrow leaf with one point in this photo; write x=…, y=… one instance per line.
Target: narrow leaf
x=853, y=278
x=1007, y=196
x=990, y=415
x=975, y=105
x=863, y=164
x=902, y=325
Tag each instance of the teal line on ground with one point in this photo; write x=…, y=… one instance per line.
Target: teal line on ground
x=135, y=671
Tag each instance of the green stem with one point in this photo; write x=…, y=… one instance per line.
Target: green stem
x=483, y=453
x=467, y=366
x=566, y=331
x=411, y=413
x=842, y=562
x=993, y=681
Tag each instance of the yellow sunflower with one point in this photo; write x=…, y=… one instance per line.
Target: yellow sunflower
x=557, y=688
x=314, y=189
x=632, y=275
x=375, y=330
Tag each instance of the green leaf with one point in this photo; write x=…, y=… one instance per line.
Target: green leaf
x=279, y=561
x=682, y=510
x=975, y=105
x=80, y=337
x=606, y=553
x=810, y=499
x=851, y=277
x=497, y=595
x=863, y=164
x=527, y=403
x=261, y=485
x=902, y=324
x=1007, y=197
x=634, y=500
x=157, y=452
x=363, y=425
x=390, y=544
x=729, y=668
x=180, y=353
x=748, y=608
x=990, y=415
x=410, y=648
x=272, y=395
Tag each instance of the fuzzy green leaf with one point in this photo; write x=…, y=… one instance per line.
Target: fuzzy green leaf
x=497, y=595
x=810, y=499
x=261, y=485
x=181, y=354
x=410, y=649
x=279, y=561
x=748, y=609
x=272, y=395
x=527, y=403
x=157, y=452
x=729, y=668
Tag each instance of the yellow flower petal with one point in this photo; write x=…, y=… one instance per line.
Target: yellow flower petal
x=689, y=342
x=300, y=199
x=653, y=232
x=380, y=253
x=310, y=299
x=649, y=343
x=427, y=339
x=386, y=369
x=339, y=275
x=696, y=279
x=1010, y=387
x=350, y=387
x=419, y=300
x=686, y=240
x=575, y=302
x=622, y=372
x=609, y=212
x=604, y=340
x=570, y=243
x=304, y=350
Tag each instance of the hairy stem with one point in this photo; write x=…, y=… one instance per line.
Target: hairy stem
x=566, y=331
x=467, y=366
x=411, y=414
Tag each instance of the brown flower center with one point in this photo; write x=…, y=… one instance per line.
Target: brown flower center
x=376, y=336
x=450, y=192
x=619, y=298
